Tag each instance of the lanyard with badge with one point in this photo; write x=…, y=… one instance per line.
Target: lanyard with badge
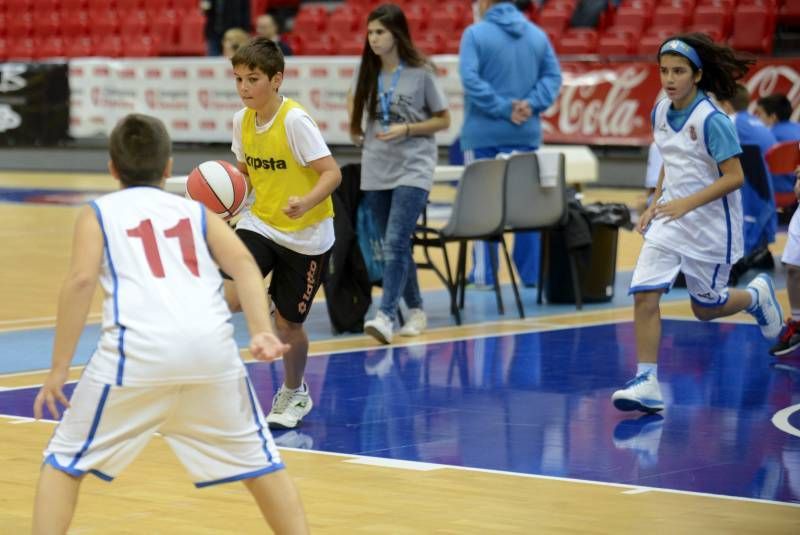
x=386, y=96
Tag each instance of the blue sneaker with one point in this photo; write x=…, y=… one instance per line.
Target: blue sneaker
x=767, y=310
x=641, y=393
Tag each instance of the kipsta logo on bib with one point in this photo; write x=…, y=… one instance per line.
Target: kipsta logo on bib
x=269, y=164
x=693, y=133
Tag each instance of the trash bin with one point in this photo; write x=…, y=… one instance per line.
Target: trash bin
x=597, y=263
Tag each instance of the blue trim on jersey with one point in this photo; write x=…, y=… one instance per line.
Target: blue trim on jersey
x=203, y=222
x=52, y=461
x=121, y=348
x=688, y=113
x=121, y=341
x=714, y=277
x=729, y=230
x=248, y=475
x=721, y=301
x=95, y=422
x=252, y=396
x=636, y=289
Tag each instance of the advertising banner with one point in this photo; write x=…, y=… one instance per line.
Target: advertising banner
x=34, y=103
x=599, y=103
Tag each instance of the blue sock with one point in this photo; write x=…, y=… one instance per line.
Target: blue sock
x=645, y=367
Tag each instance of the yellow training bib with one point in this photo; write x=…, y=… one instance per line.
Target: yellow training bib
x=276, y=175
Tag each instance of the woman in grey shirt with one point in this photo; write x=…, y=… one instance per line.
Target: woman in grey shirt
x=396, y=94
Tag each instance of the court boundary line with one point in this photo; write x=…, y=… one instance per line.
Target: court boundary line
x=538, y=325
x=370, y=460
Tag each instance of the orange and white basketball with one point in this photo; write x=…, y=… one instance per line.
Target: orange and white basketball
x=220, y=186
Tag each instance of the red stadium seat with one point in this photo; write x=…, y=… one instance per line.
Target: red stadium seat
x=447, y=18
x=617, y=41
x=296, y=41
x=345, y=19
x=555, y=15
x=2, y=24
x=47, y=25
x=101, y=5
x=717, y=17
x=783, y=158
x=3, y=48
x=789, y=13
x=19, y=26
x=165, y=26
x=191, y=34
x=41, y=7
x=130, y=5
x=431, y=43
x=79, y=47
x=140, y=47
x=109, y=46
x=133, y=23
x=310, y=20
x=74, y=23
x=673, y=18
x=50, y=48
x=714, y=33
x=634, y=15
x=321, y=45
x=352, y=45
x=72, y=5
x=578, y=41
x=21, y=48
x=103, y=23
x=186, y=6
x=452, y=44
x=753, y=29
x=650, y=42
x=18, y=6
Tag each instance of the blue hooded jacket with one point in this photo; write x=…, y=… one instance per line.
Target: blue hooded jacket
x=504, y=58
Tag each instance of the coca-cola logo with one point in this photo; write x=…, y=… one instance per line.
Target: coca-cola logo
x=775, y=79
x=596, y=103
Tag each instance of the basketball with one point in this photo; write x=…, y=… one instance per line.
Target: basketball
x=220, y=186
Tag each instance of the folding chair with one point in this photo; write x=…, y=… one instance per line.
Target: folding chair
x=536, y=199
x=478, y=213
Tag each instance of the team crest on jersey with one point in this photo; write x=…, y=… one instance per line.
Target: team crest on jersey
x=693, y=133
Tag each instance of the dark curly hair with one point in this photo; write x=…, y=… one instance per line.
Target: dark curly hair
x=722, y=65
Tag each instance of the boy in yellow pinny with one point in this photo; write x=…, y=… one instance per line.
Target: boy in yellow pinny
x=289, y=227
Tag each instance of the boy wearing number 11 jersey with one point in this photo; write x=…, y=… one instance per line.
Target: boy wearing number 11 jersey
x=166, y=361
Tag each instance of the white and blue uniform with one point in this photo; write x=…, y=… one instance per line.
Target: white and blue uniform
x=706, y=241
x=166, y=360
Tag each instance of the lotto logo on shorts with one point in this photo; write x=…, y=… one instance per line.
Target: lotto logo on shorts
x=270, y=165
x=311, y=279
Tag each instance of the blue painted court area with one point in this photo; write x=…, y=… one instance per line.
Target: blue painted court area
x=538, y=403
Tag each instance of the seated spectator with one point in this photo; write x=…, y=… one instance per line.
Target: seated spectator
x=775, y=110
x=266, y=26
x=232, y=40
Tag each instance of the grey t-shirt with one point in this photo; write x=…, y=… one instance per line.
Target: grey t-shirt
x=406, y=161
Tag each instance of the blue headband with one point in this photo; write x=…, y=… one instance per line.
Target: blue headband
x=679, y=47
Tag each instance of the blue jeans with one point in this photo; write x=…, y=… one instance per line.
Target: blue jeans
x=526, y=244
x=396, y=212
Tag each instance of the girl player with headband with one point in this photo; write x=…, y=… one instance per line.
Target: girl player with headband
x=694, y=225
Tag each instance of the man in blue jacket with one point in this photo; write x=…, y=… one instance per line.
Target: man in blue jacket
x=510, y=75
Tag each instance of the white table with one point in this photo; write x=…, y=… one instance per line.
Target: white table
x=581, y=168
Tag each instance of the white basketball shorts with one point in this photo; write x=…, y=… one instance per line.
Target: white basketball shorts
x=217, y=430
x=658, y=267
x=791, y=253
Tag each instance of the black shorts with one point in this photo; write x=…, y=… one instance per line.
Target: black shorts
x=295, y=277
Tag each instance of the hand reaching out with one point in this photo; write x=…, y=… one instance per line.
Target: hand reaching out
x=267, y=347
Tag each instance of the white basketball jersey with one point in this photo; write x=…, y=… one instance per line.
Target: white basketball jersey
x=165, y=319
x=712, y=232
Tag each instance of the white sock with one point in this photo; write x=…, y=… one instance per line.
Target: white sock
x=302, y=388
x=645, y=367
x=753, y=298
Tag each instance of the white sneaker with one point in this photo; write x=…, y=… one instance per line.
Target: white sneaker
x=641, y=436
x=767, y=310
x=416, y=324
x=289, y=408
x=642, y=393
x=380, y=328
